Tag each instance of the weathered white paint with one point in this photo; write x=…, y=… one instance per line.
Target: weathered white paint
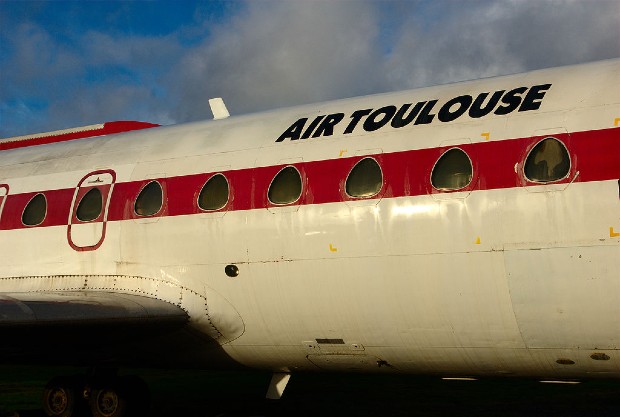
x=500, y=282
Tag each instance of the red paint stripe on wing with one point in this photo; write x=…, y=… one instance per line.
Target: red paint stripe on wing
x=109, y=128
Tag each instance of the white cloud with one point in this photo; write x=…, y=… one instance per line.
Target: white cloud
x=277, y=53
x=282, y=53
x=477, y=39
x=37, y=58
x=52, y=83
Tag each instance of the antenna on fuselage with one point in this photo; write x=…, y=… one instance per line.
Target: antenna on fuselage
x=218, y=108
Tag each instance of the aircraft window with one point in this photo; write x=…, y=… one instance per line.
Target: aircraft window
x=548, y=161
x=365, y=179
x=149, y=200
x=285, y=187
x=35, y=211
x=452, y=171
x=214, y=194
x=90, y=205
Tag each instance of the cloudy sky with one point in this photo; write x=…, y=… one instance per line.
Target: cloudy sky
x=65, y=64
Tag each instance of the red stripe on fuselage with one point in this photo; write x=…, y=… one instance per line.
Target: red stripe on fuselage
x=594, y=154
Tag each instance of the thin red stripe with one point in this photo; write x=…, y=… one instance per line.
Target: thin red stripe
x=109, y=128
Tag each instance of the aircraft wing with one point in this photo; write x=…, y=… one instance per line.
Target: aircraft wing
x=84, y=308
x=84, y=320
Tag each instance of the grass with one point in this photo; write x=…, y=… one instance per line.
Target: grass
x=195, y=393
x=21, y=388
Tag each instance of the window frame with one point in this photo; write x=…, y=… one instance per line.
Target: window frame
x=28, y=204
x=301, y=192
x=101, y=211
x=453, y=190
x=228, y=195
x=163, y=200
x=529, y=152
x=378, y=194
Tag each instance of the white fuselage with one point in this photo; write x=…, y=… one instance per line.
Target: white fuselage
x=502, y=278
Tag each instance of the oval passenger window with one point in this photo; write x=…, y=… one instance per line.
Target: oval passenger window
x=285, y=187
x=35, y=211
x=90, y=206
x=214, y=194
x=149, y=200
x=365, y=179
x=548, y=161
x=452, y=171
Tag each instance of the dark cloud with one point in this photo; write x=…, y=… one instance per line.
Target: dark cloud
x=260, y=55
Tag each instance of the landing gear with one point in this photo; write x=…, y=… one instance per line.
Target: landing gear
x=62, y=397
x=107, y=402
x=96, y=396
x=119, y=397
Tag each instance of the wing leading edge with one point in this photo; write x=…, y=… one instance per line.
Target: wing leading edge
x=84, y=308
x=75, y=325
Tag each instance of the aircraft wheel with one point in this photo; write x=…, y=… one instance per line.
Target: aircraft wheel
x=120, y=397
x=61, y=398
x=108, y=401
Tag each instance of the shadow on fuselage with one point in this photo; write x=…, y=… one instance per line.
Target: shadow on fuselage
x=120, y=345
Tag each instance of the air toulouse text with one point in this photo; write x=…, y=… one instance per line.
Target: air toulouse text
x=500, y=102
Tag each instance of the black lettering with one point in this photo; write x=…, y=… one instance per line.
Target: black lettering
x=533, y=98
x=355, y=118
x=293, y=132
x=426, y=117
x=327, y=126
x=384, y=113
x=477, y=110
x=511, y=99
x=447, y=115
x=400, y=120
x=312, y=126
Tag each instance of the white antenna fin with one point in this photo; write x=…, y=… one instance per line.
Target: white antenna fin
x=218, y=108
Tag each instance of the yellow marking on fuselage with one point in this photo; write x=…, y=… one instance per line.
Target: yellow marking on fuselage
x=342, y=152
x=477, y=242
x=617, y=121
x=612, y=233
x=487, y=135
x=332, y=249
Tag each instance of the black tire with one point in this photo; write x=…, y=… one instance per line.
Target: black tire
x=126, y=396
x=108, y=401
x=61, y=397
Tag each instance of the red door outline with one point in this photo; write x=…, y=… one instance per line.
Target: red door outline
x=104, y=180
x=4, y=193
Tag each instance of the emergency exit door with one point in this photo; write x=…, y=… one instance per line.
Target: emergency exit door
x=89, y=210
x=4, y=192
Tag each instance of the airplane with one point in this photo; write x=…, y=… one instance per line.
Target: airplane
x=463, y=231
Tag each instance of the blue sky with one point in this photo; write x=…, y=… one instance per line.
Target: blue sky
x=65, y=64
